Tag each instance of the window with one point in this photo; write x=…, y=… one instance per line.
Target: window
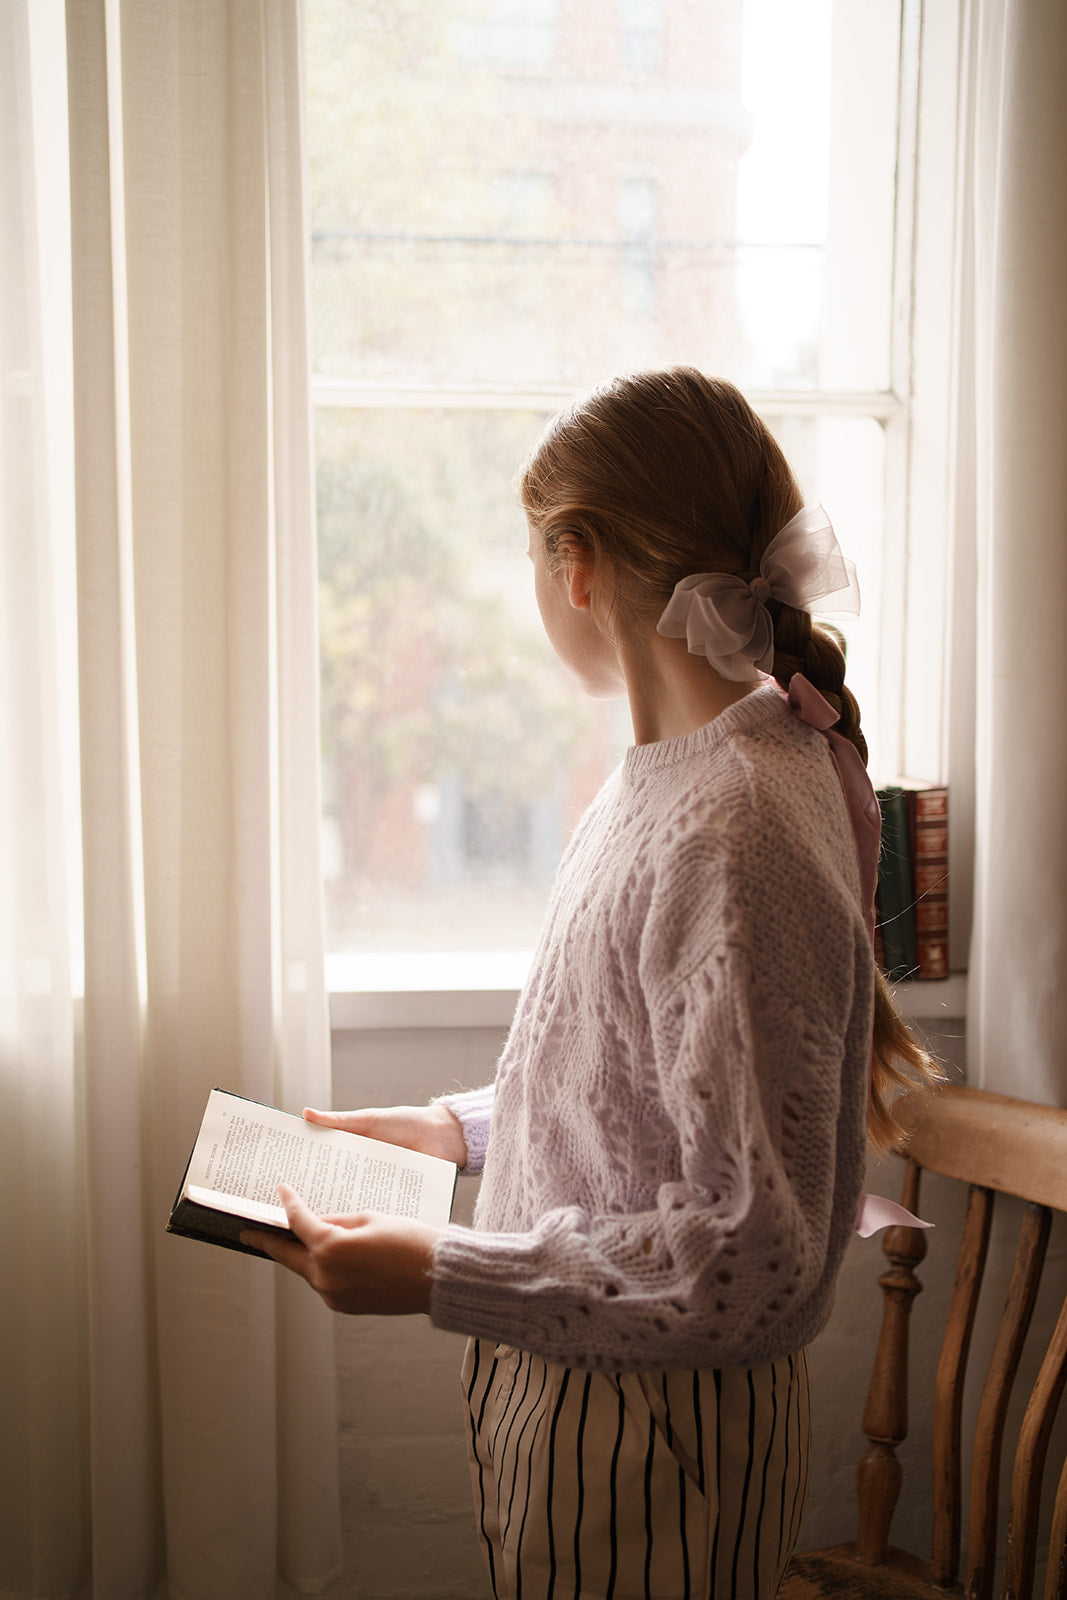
x=504, y=35
x=641, y=22
x=511, y=198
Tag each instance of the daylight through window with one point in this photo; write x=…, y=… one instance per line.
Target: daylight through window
x=510, y=200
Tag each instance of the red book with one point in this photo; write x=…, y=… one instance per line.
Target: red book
x=928, y=825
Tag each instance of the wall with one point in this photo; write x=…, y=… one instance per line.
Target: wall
x=407, y=1505
x=408, y=1525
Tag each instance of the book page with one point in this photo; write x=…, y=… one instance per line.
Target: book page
x=237, y=1205
x=245, y=1150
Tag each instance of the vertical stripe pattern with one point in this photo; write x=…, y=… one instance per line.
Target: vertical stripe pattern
x=636, y=1485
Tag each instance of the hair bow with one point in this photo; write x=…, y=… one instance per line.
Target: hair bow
x=726, y=619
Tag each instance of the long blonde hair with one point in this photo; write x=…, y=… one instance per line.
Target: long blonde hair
x=669, y=473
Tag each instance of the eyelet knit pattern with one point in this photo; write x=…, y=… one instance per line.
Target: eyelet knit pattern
x=678, y=1128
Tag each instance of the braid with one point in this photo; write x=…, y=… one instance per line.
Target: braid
x=897, y=1057
x=817, y=651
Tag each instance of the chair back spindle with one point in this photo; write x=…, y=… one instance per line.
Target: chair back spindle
x=1030, y=1464
x=948, y=1389
x=885, y=1417
x=1056, y=1575
x=996, y=1393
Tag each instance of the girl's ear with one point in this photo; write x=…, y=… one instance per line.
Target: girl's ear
x=577, y=572
x=578, y=575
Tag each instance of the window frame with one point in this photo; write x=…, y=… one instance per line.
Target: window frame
x=915, y=411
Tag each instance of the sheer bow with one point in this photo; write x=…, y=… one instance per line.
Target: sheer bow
x=726, y=619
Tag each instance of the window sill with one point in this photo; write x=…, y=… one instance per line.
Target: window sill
x=457, y=989
x=396, y=1000
x=945, y=999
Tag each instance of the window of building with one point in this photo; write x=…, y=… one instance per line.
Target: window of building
x=511, y=199
x=641, y=22
x=501, y=35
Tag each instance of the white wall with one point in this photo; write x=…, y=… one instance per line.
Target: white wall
x=407, y=1506
x=408, y=1524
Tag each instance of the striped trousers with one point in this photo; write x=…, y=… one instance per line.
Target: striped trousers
x=635, y=1485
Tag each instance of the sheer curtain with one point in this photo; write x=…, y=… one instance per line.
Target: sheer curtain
x=1011, y=493
x=167, y=1410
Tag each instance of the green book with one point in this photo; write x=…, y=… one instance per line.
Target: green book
x=896, y=893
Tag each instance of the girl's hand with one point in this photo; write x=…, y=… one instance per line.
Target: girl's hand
x=361, y=1264
x=431, y=1129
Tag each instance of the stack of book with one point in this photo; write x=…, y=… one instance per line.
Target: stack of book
x=913, y=882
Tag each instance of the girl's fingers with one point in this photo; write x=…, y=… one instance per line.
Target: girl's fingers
x=286, y=1252
x=348, y=1121
x=309, y=1228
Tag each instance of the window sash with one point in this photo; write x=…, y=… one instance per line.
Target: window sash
x=914, y=411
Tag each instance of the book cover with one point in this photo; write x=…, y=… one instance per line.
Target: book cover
x=896, y=897
x=928, y=819
x=244, y=1150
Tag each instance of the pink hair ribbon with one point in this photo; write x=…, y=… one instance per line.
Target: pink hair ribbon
x=876, y=1213
x=864, y=813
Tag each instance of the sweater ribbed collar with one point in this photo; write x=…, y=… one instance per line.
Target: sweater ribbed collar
x=747, y=715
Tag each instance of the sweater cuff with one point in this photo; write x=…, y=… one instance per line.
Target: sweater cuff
x=473, y=1110
x=481, y=1287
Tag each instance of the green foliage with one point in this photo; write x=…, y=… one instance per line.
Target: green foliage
x=430, y=666
x=434, y=665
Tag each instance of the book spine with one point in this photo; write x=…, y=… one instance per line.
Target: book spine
x=896, y=902
x=191, y=1221
x=929, y=851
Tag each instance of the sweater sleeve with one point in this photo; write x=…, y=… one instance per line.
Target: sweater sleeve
x=760, y=1031
x=473, y=1110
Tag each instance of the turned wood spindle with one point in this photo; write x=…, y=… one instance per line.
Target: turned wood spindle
x=885, y=1418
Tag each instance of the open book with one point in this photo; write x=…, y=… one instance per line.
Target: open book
x=244, y=1150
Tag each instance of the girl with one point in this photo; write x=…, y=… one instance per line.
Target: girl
x=674, y=1145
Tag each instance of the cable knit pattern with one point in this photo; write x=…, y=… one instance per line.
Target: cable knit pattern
x=678, y=1129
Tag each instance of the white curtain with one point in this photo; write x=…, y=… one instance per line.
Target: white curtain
x=1012, y=501
x=167, y=1410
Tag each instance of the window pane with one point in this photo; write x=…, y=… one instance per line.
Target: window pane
x=457, y=752
x=513, y=195
x=536, y=192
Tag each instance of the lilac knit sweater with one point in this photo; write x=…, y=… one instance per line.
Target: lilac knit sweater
x=677, y=1135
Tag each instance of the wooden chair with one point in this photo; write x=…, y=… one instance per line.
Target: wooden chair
x=991, y=1143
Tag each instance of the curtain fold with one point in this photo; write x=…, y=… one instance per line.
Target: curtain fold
x=207, y=1460
x=1013, y=407
x=43, y=1509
